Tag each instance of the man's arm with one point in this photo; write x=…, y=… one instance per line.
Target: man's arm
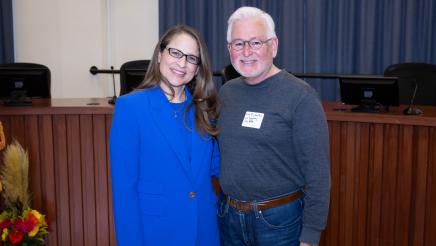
x=312, y=148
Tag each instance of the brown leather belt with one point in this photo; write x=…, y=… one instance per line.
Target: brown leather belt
x=249, y=206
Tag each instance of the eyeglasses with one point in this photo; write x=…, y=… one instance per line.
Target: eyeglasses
x=179, y=54
x=255, y=44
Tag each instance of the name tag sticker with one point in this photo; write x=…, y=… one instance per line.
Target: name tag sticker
x=252, y=120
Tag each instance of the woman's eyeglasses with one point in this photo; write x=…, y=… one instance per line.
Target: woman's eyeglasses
x=179, y=54
x=255, y=44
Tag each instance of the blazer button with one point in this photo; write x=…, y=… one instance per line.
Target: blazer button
x=192, y=194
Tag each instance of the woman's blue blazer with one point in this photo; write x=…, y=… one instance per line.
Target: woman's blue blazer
x=161, y=194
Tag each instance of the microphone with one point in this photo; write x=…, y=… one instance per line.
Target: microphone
x=411, y=110
x=113, y=100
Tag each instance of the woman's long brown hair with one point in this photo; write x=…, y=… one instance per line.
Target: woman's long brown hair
x=202, y=87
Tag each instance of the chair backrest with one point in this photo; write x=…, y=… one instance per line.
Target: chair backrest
x=411, y=75
x=25, y=79
x=132, y=74
x=228, y=73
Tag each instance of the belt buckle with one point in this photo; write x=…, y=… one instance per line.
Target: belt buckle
x=240, y=205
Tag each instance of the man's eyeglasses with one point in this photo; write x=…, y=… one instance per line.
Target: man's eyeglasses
x=179, y=54
x=255, y=44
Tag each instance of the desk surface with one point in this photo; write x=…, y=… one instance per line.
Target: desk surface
x=61, y=106
x=335, y=111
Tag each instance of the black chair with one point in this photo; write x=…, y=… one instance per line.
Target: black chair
x=21, y=80
x=415, y=76
x=228, y=73
x=132, y=74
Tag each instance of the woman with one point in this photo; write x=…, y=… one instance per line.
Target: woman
x=162, y=149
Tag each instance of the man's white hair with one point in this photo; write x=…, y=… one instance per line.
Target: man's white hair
x=248, y=12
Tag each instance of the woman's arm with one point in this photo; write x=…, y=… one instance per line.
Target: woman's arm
x=124, y=155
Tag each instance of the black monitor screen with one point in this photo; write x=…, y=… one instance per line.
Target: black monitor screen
x=28, y=81
x=371, y=93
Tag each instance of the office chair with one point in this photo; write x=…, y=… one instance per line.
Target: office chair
x=415, y=76
x=132, y=74
x=229, y=73
x=24, y=80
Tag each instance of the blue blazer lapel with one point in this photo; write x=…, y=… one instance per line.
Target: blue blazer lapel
x=200, y=143
x=163, y=118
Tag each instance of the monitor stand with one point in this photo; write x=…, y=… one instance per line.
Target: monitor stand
x=18, y=98
x=369, y=106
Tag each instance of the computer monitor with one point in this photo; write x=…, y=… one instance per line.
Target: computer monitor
x=24, y=80
x=370, y=93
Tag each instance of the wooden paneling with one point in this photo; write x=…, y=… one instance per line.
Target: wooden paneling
x=69, y=167
x=75, y=179
x=47, y=179
x=88, y=188
x=111, y=238
x=61, y=179
x=430, y=222
x=383, y=184
x=101, y=181
x=383, y=169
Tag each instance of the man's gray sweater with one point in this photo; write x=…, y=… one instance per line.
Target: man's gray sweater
x=273, y=141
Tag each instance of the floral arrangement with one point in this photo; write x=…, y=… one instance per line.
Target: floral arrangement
x=19, y=223
x=29, y=228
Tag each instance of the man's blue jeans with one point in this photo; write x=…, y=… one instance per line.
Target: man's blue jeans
x=276, y=226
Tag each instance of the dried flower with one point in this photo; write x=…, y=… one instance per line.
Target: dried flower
x=14, y=176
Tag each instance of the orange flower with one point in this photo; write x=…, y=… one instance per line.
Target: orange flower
x=34, y=213
x=32, y=222
x=35, y=230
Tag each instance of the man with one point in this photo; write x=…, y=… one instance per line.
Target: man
x=274, y=144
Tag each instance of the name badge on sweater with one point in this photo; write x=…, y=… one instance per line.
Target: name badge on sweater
x=252, y=120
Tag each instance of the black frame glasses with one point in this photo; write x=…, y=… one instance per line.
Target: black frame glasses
x=255, y=44
x=179, y=54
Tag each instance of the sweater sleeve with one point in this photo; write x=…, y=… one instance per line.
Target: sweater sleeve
x=124, y=155
x=311, y=131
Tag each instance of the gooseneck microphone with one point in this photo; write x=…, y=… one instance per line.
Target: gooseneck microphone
x=411, y=110
x=113, y=100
